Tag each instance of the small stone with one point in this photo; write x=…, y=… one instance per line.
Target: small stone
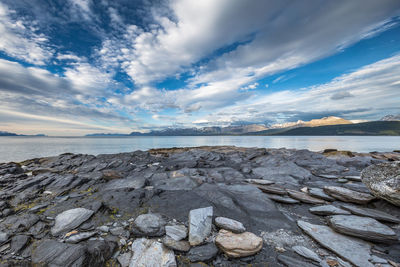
x=230, y=225
x=328, y=210
x=292, y=262
x=238, y=245
x=348, y=195
x=200, y=222
x=124, y=259
x=259, y=181
x=176, y=231
x=103, y=228
x=283, y=199
x=203, y=253
x=70, y=233
x=342, y=180
x=306, y=253
x=319, y=193
x=150, y=224
x=3, y=237
x=354, y=178
x=70, y=219
x=176, y=245
x=147, y=252
x=303, y=197
x=117, y=231
x=272, y=189
x=18, y=242
x=328, y=176
x=73, y=239
x=376, y=214
x=376, y=259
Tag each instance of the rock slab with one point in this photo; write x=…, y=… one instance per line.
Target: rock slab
x=70, y=219
x=200, y=222
x=347, y=195
x=238, y=245
x=230, y=225
x=148, y=252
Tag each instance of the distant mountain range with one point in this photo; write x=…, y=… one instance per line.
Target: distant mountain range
x=388, y=125
x=3, y=133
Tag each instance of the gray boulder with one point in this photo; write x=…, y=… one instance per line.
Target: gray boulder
x=384, y=181
x=229, y=224
x=150, y=224
x=200, y=222
x=70, y=219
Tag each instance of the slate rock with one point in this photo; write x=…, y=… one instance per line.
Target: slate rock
x=238, y=245
x=230, y=225
x=70, y=219
x=354, y=250
x=354, y=178
x=148, y=252
x=303, y=197
x=18, y=242
x=259, y=181
x=124, y=259
x=151, y=224
x=176, y=245
x=125, y=184
x=328, y=210
x=384, y=181
x=73, y=239
x=3, y=237
x=373, y=213
x=306, y=253
x=283, y=199
x=176, y=231
x=319, y=193
x=272, y=189
x=180, y=183
x=200, y=222
x=203, y=253
x=362, y=227
x=347, y=195
x=292, y=262
x=99, y=252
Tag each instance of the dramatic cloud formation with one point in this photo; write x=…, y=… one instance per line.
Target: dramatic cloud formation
x=87, y=66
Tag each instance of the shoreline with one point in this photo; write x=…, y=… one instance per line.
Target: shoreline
x=126, y=201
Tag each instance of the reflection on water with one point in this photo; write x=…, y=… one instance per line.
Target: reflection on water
x=21, y=148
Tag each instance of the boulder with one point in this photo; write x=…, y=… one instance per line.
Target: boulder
x=354, y=250
x=362, y=227
x=200, y=222
x=230, y=225
x=238, y=245
x=70, y=219
x=384, y=181
x=148, y=252
x=149, y=225
x=347, y=195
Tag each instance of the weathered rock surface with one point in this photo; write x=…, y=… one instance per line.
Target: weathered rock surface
x=303, y=197
x=176, y=245
x=292, y=262
x=73, y=239
x=230, y=225
x=354, y=250
x=283, y=199
x=148, y=252
x=149, y=225
x=328, y=210
x=203, y=253
x=319, y=193
x=348, y=195
x=200, y=221
x=272, y=189
x=362, y=227
x=70, y=219
x=176, y=231
x=238, y=245
x=384, y=181
x=306, y=253
x=373, y=213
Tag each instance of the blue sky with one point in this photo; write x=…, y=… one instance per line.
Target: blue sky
x=74, y=67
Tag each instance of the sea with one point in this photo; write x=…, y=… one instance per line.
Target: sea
x=20, y=148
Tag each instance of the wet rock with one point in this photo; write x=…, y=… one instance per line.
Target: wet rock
x=373, y=213
x=203, y=253
x=354, y=250
x=303, y=197
x=200, y=221
x=319, y=193
x=238, y=245
x=176, y=245
x=53, y=253
x=272, y=189
x=70, y=219
x=292, y=262
x=150, y=224
x=73, y=239
x=18, y=242
x=230, y=225
x=283, y=199
x=147, y=252
x=328, y=210
x=384, y=181
x=306, y=253
x=176, y=231
x=348, y=195
x=362, y=227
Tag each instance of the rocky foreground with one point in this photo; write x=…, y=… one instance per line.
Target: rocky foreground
x=216, y=206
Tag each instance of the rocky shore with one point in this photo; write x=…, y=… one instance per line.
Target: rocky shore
x=205, y=206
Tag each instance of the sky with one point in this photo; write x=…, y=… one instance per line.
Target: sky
x=74, y=67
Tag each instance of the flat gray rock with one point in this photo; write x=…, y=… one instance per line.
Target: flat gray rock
x=18, y=242
x=328, y=210
x=3, y=237
x=384, y=181
x=176, y=231
x=305, y=198
x=259, y=181
x=373, y=213
x=229, y=224
x=356, y=251
x=306, y=253
x=200, y=221
x=180, y=183
x=176, y=245
x=272, y=189
x=202, y=253
x=328, y=176
x=347, y=195
x=70, y=219
x=121, y=184
x=292, y=262
x=124, y=259
x=73, y=239
x=150, y=224
x=362, y=227
x=283, y=199
x=319, y=193
x=148, y=252
x=355, y=178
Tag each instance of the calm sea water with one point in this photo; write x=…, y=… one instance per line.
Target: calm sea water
x=21, y=148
